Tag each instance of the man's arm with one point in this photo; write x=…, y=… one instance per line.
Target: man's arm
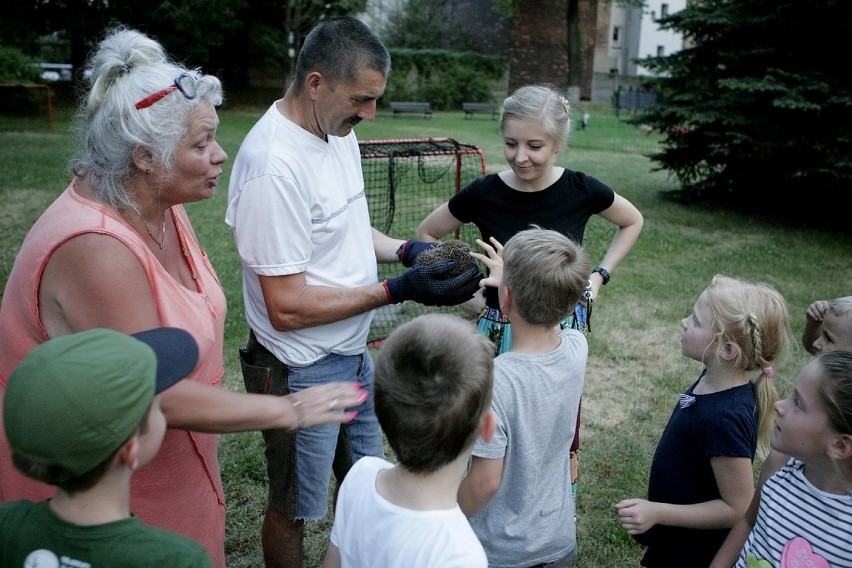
x=293, y=304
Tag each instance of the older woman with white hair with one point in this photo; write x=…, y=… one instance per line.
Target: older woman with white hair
x=117, y=250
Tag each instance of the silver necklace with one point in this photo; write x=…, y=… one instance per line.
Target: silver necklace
x=162, y=240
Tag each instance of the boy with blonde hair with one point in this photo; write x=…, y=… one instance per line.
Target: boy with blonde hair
x=515, y=494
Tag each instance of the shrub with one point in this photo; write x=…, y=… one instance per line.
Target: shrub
x=445, y=79
x=17, y=68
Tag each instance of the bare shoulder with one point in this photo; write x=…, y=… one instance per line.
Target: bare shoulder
x=95, y=280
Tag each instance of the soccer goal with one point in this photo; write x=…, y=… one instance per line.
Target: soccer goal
x=406, y=180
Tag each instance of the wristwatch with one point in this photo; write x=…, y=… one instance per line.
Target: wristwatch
x=604, y=274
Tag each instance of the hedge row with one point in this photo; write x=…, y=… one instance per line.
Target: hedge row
x=445, y=79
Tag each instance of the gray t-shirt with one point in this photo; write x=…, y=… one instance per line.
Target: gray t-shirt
x=530, y=520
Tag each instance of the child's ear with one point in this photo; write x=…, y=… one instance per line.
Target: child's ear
x=505, y=297
x=731, y=351
x=128, y=453
x=841, y=447
x=488, y=425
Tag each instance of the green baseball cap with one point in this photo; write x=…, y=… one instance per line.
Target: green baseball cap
x=75, y=399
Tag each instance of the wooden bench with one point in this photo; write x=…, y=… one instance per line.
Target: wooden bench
x=472, y=108
x=399, y=107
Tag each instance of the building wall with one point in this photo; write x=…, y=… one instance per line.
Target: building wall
x=538, y=53
x=377, y=12
x=624, y=33
x=537, y=46
x=654, y=41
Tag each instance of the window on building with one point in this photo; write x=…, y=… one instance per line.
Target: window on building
x=664, y=10
x=661, y=50
x=616, y=36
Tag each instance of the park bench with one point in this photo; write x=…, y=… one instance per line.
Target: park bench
x=472, y=108
x=399, y=107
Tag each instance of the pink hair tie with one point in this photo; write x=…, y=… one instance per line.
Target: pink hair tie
x=769, y=372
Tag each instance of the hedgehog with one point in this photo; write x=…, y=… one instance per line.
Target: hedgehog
x=448, y=250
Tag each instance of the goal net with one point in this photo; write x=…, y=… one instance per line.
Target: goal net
x=406, y=180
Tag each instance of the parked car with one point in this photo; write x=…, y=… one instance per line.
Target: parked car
x=56, y=72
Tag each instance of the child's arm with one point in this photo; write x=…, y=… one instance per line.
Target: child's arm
x=813, y=324
x=735, y=479
x=480, y=484
x=332, y=557
x=733, y=545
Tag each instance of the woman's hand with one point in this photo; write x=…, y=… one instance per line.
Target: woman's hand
x=324, y=404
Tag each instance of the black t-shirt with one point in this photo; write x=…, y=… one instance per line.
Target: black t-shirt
x=500, y=211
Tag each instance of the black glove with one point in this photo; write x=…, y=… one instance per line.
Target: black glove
x=430, y=286
x=409, y=250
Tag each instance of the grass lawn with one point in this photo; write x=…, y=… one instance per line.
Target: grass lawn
x=635, y=370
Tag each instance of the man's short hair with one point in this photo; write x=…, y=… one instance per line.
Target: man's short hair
x=339, y=48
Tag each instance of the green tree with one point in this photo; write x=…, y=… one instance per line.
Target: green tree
x=17, y=69
x=225, y=37
x=273, y=31
x=756, y=109
x=424, y=24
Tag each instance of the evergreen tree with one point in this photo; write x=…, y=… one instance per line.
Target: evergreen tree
x=757, y=110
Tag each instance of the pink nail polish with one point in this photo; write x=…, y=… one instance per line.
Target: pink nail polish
x=363, y=397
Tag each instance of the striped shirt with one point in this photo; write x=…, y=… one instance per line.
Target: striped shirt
x=798, y=524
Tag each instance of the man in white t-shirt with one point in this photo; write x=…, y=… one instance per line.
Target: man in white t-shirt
x=298, y=210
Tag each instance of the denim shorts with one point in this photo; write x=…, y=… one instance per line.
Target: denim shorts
x=299, y=464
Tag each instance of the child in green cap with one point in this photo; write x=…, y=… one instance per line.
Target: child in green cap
x=82, y=413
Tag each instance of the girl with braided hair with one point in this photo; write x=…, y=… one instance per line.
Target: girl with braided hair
x=701, y=480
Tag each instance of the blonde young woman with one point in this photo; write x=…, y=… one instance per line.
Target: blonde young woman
x=535, y=125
